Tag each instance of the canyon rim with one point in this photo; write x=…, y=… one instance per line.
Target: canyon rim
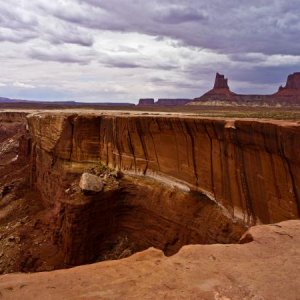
x=149, y=150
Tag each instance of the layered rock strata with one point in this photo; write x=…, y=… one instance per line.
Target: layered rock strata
x=187, y=180
x=249, y=167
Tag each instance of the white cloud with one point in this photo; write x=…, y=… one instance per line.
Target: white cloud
x=23, y=85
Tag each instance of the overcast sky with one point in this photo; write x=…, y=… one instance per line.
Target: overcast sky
x=123, y=50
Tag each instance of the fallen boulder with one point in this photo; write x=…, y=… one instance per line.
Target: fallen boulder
x=90, y=183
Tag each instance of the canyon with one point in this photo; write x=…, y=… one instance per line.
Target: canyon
x=183, y=196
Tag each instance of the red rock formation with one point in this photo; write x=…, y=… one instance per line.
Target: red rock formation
x=293, y=81
x=236, y=163
x=85, y=225
x=291, y=91
x=221, y=95
x=265, y=268
x=221, y=82
x=147, y=213
x=225, y=174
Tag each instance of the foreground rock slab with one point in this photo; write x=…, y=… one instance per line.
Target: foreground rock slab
x=265, y=266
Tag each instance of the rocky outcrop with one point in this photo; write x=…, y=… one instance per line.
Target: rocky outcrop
x=237, y=163
x=290, y=93
x=293, y=82
x=267, y=267
x=221, y=95
x=221, y=82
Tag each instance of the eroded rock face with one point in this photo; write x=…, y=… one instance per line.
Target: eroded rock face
x=237, y=164
x=65, y=227
x=187, y=180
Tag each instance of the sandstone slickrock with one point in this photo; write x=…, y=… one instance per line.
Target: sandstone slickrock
x=266, y=268
x=90, y=183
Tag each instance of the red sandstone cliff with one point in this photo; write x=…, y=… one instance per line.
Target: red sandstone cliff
x=249, y=167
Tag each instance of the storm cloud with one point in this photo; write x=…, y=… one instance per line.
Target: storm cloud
x=123, y=50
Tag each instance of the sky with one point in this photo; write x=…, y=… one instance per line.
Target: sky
x=123, y=50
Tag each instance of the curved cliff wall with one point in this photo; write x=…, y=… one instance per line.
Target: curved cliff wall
x=251, y=168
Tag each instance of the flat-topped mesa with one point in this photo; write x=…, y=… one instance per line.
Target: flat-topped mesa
x=163, y=102
x=146, y=102
x=172, y=102
x=221, y=82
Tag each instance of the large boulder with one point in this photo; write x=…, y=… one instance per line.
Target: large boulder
x=90, y=183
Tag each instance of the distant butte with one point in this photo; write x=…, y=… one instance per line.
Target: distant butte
x=221, y=82
x=292, y=86
x=222, y=95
